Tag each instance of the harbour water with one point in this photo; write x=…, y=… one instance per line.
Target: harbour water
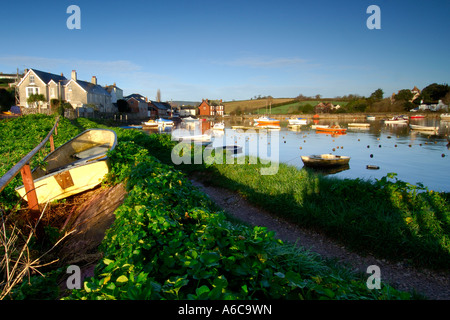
x=415, y=156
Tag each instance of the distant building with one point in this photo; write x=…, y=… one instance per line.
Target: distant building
x=162, y=109
x=207, y=108
x=440, y=106
x=115, y=92
x=415, y=91
x=138, y=104
x=186, y=111
x=325, y=107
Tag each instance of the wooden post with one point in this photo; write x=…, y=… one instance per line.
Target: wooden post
x=30, y=190
x=52, y=144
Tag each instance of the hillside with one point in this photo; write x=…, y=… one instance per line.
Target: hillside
x=279, y=105
x=250, y=105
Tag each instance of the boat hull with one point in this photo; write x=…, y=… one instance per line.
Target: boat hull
x=331, y=130
x=78, y=165
x=325, y=160
x=65, y=183
x=298, y=121
x=423, y=128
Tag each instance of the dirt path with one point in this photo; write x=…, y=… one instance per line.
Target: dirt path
x=433, y=285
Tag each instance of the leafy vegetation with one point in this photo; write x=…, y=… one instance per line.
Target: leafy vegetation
x=372, y=217
x=169, y=241
x=18, y=137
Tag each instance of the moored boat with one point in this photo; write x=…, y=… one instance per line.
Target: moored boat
x=150, y=123
x=266, y=121
x=360, y=125
x=315, y=126
x=445, y=116
x=219, y=126
x=189, y=119
x=78, y=165
x=164, y=122
x=417, y=116
x=370, y=118
x=297, y=121
x=396, y=120
x=325, y=160
x=423, y=128
x=332, y=129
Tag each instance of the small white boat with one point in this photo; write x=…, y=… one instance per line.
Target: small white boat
x=370, y=118
x=297, y=121
x=396, y=120
x=164, y=122
x=325, y=160
x=359, y=125
x=219, y=126
x=189, y=119
x=445, y=116
x=150, y=123
x=423, y=128
x=318, y=126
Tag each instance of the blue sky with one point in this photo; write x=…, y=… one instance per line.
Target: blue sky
x=192, y=50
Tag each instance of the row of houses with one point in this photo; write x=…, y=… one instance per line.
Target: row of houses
x=86, y=96
x=83, y=95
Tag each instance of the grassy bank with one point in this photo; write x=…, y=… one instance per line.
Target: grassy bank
x=389, y=218
x=169, y=241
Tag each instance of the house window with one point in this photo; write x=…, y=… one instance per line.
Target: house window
x=30, y=91
x=32, y=78
x=52, y=92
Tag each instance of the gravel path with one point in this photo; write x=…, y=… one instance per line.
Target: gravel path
x=434, y=285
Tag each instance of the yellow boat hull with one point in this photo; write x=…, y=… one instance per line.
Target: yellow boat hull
x=66, y=183
x=79, y=165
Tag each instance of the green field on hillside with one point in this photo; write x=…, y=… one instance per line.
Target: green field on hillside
x=279, y=106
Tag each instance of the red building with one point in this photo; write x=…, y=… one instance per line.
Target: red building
x=207, y=108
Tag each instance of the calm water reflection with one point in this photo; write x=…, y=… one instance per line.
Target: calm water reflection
x=417, y=157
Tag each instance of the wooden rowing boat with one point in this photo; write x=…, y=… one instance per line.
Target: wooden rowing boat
x=78, y=165
x=423, y=128
x=325, y=160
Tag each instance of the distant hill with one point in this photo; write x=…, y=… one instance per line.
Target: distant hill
x=186, y=103
x=251, y=105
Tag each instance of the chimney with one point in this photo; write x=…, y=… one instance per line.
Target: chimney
x=62, y=75
x=94, y=80
x=74, y=75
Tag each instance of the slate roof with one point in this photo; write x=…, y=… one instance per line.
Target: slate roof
x=92, y=88
x=137, y=96
x=47, y=77
x=161, y=105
